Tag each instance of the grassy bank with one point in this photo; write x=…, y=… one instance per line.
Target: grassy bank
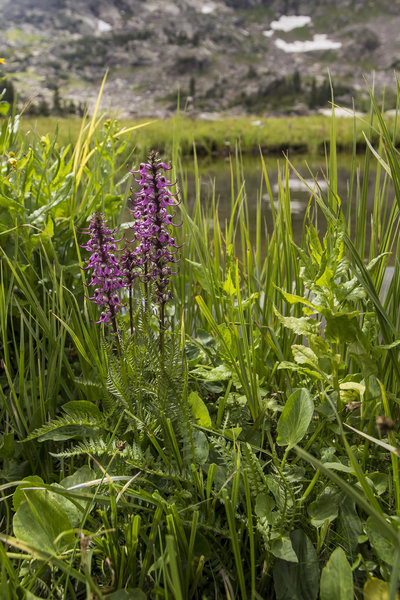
x=236, y=440
x=305, y=134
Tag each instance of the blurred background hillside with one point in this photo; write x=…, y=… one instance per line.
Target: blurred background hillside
x=225, y=56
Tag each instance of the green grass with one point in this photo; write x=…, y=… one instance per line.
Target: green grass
x=307, y=134
x=243, y=458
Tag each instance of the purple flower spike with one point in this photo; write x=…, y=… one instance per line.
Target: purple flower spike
x=107, y=275
x=156, y=248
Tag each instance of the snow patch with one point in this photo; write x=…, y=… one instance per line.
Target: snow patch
x=268, y=33
x=319, y=42
x=207, y=9
x=102, y=26
x=285, y=23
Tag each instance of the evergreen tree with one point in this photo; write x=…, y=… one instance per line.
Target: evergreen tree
x=43, y=107
x=313, y=99
x=296, y=81
x=57, y=107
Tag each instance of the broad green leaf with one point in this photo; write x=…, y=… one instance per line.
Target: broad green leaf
x=304, y=355
x=67, y=432
x=349, y=526
x=74, y=511
x=264, y=507
x=228, y=286
x=384, y=547
x=28, y=482
x=201, y=447
x=82, y=407
x=354, y=386
x=233, y=432
x=342, y=328
x=199, y=410
x=337, y=578
x=324, y=508
x=50, y=227
x=82, y=475
x=376, y=589
x=295, y=418
x=40, y=520
x=291, y=366
x=298, y=581
x=380, y=481
x=294, y=299
x=299, y=325
x=282, y=548
x=325, y=279
x=220, y=373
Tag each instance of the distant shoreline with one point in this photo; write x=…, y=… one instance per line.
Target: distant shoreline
x=221, y=135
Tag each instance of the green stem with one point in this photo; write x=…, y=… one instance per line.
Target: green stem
x=162, y=329
x=131, y=310
x=285, y=457
x=310, y=487
x=115, y=330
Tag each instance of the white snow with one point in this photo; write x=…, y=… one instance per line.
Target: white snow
x=268, y=32
x=102, y=26
x=286, y=23
x=207, y=9
x=319, y=42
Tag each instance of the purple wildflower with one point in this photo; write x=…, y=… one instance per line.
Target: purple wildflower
x=107, y=275
x=156, y=248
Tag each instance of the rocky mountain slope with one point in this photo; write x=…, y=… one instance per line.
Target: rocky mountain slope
x=223, y=55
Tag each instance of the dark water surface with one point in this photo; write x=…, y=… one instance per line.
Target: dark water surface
x=215, y=177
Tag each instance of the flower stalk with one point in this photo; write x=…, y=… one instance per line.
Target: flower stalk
x=107, y=276
x=156, y=248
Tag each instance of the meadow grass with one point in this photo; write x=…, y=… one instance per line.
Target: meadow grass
x=298, y=134
x=256, y=455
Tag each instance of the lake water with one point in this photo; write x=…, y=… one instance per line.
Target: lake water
x=215, y=178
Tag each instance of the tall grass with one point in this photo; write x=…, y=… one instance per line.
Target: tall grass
x=267, y=459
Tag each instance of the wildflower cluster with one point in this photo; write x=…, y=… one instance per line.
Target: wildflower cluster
x=107, y=275
x=151, y=252
x=156, y=248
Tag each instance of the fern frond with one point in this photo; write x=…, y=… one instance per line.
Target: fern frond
x=255, y=469
x=72, y=422
x=87, y=383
